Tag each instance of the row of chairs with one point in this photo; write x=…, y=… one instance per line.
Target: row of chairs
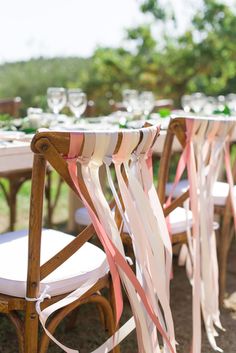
x=175, y=211
x=57, y=248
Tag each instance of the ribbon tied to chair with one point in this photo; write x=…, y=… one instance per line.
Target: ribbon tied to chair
x=136, y=199
x=206, y=145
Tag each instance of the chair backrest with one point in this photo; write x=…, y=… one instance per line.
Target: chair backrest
x=177, y=128
x=10, y=106
x=205, y=142
x=77, y=157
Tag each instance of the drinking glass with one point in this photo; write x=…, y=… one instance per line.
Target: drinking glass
x=210, y=105
x=221, y=103
x=186, y=103
x=231, y=102
x=130, y=100
x=147, y=102
x=197, y=102
x=77, y=101
x=35, y=117
x=56, y=98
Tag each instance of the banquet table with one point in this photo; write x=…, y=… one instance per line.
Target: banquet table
x=15, y=155
x=15, y=152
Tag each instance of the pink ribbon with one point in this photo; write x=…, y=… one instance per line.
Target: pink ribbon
x=115, y=259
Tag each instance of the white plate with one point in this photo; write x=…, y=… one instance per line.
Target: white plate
x=11, y=135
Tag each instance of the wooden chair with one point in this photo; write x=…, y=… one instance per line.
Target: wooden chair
x=15, y=179
x=52, y=256
x=222, y=202
x=200, y=258
x=10, y=106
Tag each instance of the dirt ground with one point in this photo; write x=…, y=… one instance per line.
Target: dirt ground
x=88, y=333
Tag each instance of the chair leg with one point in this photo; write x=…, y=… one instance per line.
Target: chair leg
x=51, y=204
x=102, y=316
x=223, y=255
x=17, y=322
x=48, y=195
x=13, y=189
x=12, y=204
x=31, y=329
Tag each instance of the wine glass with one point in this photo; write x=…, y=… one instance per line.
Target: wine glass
x=210, y=105
x=56, y=98
x=231, y=102
x=197, y=102
x=220, y=103
x=186, y=103
x=147, y=102
x=77, y=101
x=130, y=100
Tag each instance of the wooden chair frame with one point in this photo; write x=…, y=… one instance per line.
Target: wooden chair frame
x=176, y=128
x=50, y=147
x=15, y=180
x=10, y=106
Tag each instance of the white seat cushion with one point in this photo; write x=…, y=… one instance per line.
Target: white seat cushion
x=220, y=191
x=82, y=218
x=88, y=262
x=178, y=220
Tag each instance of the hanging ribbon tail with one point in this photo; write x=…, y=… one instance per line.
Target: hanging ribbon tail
x=103, y=220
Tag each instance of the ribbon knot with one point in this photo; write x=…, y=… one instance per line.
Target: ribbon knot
x=40, y=299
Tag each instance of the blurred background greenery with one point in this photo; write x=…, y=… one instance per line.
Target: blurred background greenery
x=203, y=58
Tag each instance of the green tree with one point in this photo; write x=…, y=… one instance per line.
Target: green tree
x=203, y=58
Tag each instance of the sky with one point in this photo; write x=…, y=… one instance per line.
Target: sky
x=33, y=28
x=30, y=28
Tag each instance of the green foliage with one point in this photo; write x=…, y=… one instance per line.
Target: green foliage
x=164, y=112
x=6, y=122
x=30, y=80
x=152, y=6
x=5, y=117
x=203, y=58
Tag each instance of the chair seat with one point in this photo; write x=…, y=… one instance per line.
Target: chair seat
x=220, y=191
x=67, y=277
x=83, y=219
x=178, y=220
